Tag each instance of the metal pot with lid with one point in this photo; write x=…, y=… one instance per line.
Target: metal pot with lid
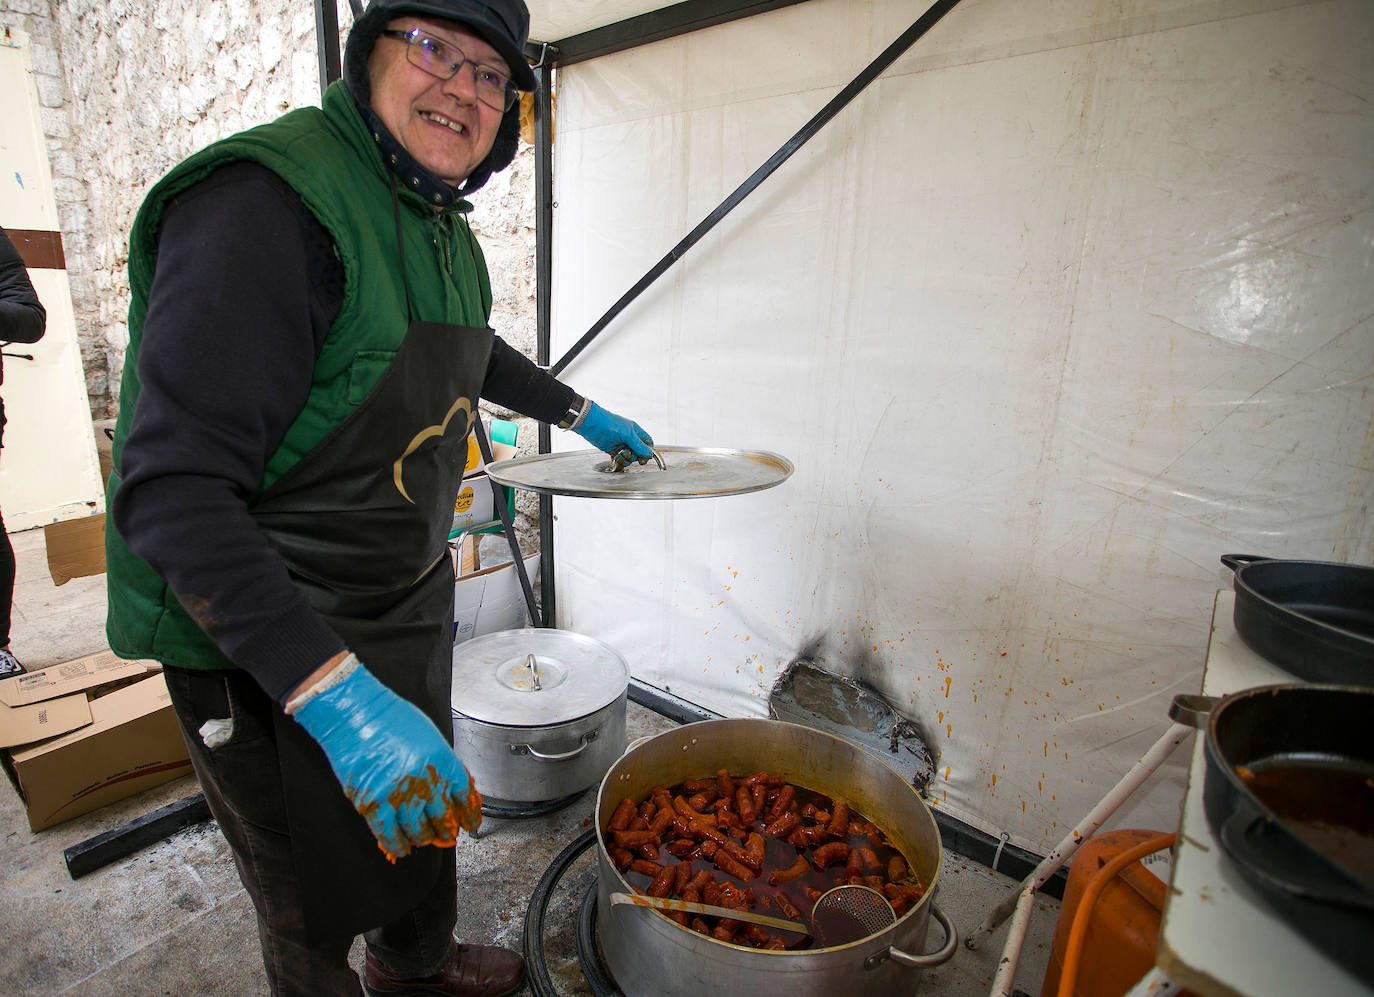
x=538, y=714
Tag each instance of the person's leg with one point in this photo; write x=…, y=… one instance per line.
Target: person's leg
x=227, y=721
x=416, y=954
x=420, y=942
x=9, y=664
x=468, y=971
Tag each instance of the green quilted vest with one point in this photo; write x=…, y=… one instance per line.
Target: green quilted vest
x=327, y=155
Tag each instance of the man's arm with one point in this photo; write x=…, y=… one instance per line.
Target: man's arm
x=516, y=383
x=236, y=316
x=22, y=316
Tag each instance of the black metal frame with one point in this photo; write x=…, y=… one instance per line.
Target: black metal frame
x=803, y=135
x=656, y=25
x=327, y=28
x=543, y=295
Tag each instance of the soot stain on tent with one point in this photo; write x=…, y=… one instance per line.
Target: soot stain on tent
x=807, y=694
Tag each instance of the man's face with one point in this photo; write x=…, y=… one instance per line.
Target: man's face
x=439, y=122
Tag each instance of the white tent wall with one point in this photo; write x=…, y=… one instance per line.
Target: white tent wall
x=1074, y=299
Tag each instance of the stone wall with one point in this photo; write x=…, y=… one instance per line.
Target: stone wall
x=128, y=89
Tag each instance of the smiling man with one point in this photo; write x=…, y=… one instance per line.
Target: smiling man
x=308, y=340
x=448, y=124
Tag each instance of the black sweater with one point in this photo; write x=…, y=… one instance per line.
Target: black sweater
x=245, y=289
x=22, y=316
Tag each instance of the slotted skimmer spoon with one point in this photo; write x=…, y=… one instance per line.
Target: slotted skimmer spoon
x=848, y=913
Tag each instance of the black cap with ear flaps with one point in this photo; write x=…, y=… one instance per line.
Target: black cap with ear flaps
x=503, y=24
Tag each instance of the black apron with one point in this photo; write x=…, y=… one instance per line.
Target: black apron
x=362, y=523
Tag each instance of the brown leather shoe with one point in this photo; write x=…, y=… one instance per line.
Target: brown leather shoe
x=472, y=971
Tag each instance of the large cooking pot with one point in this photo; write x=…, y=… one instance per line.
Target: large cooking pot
x=538, y=714
x=647, y=953
x=1289, y=795
x=1314, y=619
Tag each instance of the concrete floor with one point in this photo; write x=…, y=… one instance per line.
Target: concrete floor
x=174, y=919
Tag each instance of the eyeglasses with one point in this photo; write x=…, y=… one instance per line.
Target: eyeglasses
x=442, y=60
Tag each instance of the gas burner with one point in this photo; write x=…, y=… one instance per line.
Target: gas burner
x=588, y=953
x=514, y=810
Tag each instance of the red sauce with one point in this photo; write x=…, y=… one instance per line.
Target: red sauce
x=792, y=900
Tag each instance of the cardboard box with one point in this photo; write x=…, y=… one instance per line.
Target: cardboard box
x=474, y=503
x=20, y=725
x=91, y=672
x=491, y=599
x=106, y=730
x=76, y=548
x=466, y=557
x=104, y=447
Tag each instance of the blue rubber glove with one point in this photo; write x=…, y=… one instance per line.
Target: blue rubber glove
x=395, y=767
x=609, y=432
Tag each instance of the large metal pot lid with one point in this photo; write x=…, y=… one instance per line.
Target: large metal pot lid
x=571, y=676
x=685, y=472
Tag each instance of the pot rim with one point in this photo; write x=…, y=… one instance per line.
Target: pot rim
x=883, y=938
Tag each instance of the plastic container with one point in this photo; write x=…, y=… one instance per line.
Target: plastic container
x=474, y=504
x=1123, y=926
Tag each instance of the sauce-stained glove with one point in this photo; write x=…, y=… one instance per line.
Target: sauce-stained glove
x=394, y=765
x=609, y=432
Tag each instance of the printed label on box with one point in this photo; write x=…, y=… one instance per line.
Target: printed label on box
x=70, y=676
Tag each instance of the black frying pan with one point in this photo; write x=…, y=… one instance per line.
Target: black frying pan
x=1314, y=619
x=1289, y=796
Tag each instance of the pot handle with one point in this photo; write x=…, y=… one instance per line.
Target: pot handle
x=931, y=959
x=1192, y=710
x=555, y=756
x=1237, y=561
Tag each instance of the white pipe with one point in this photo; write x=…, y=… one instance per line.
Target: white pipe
x=1011, y=952
x=1129, y=783
x=1154, y=984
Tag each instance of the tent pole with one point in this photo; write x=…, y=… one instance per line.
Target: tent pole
x=822, y=117
x=327, y=42
x=543, y=298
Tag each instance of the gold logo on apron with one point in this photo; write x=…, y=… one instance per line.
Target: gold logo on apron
x=429, y=432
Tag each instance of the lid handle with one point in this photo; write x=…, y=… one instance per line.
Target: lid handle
x=533, y=666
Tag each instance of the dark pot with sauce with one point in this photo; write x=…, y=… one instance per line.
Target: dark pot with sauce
x=1289, y=795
